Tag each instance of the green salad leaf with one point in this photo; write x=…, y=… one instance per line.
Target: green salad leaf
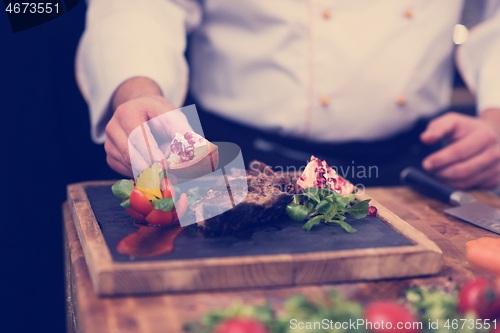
x=125, y=204
x=122, y=188
x=297, y=212
x=165, y=204
x=324, y=205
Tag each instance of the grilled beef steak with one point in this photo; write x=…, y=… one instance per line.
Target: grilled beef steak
x=267, y=198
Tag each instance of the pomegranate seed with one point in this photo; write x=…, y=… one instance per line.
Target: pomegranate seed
x=183, y=156
x=176, y=147
x=372, y=211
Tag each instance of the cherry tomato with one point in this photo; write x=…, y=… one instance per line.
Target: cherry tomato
x=390, y=317
x=480, y=296
x=136, y=216
x=140, y=203
x=159, y=217
x=240, y=325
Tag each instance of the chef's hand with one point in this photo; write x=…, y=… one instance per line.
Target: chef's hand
x=137, y=101
x=472, y=159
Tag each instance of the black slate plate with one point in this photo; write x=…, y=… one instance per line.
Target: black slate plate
x=282, y=236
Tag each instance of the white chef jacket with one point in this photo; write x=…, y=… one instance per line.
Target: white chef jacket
x=327, y=70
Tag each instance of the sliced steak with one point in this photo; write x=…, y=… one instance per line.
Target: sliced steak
x=267, y=199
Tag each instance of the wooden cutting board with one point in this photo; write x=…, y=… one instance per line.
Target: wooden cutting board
x=275, y=254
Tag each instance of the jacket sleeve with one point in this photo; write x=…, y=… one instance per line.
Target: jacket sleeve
x=129, y=38
x=478, y=59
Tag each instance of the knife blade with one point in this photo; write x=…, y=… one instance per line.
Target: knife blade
x=467, y=208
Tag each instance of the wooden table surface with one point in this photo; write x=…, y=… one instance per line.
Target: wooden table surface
x=169, y=312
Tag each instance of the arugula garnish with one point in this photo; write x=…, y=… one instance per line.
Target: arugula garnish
x=323, y=205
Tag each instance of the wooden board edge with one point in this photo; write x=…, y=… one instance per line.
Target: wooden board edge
x=207, y=262
x=121, y=281
x=71, y=303
x=374, y=268
x=402, y=227
x=76, y=270
x=365, y=253
x=96, y=252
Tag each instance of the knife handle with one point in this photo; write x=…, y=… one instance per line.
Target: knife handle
x=426, y=184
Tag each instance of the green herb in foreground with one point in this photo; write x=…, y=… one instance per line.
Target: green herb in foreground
x=322, y=205
x=428, y=305
x=296, y=308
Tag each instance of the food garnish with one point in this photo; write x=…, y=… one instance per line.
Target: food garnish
x=325, y=197
x=152, y=198
x=419, y=310
x=318, y=174
x=182, y=148
x=192, y=156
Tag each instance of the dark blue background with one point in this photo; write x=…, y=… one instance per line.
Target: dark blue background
x=45, y=144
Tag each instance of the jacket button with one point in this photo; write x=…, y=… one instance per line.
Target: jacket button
x=400, y=100
x=325, y=101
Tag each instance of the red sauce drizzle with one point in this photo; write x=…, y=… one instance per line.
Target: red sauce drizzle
x=149, y=242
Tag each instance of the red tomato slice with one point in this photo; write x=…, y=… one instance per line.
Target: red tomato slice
x=395, y=317
x=159, y=217
x=136, y=216
x=140, y=203
x=240, y=325
x=480, y=296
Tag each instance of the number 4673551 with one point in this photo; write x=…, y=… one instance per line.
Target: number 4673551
x=33, y=8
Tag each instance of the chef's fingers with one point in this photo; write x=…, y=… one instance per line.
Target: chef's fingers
x=492, y=182
x=118, y=166
x=487, y=179
x=171, y=122
x=113, y=152
x=118, y=138
x=460, y=150
x=165, y=148
x=136, y=116
x=141, y=110
x=144, y=142
x=443, y=126
x=472, y=166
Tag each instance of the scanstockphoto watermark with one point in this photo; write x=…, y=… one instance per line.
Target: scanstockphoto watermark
x=353, y=171
x=327, y=324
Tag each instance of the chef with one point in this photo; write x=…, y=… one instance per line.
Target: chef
x=355, y=82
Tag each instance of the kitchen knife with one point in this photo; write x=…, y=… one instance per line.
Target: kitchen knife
x=468, y=209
